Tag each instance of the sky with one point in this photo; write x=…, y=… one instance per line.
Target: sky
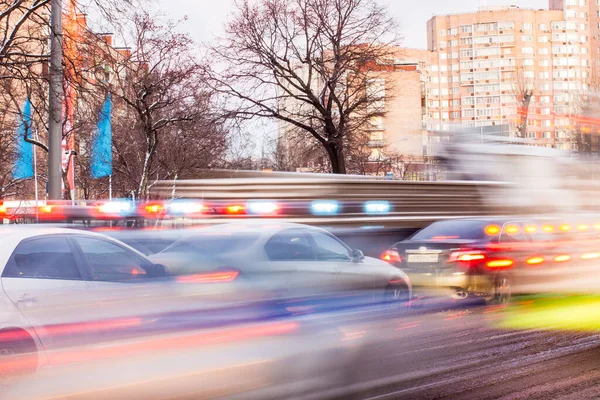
x=206, y=17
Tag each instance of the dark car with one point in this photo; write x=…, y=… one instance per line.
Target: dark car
x=483, y=257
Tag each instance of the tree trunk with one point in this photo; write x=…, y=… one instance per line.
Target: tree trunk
x=336, y=157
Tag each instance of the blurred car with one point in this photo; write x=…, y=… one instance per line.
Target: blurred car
x=475, y=257
x=291, y=260
x=44, y=270
x=146, y=241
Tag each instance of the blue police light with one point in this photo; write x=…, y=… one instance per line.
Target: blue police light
x=377, y=207
x=117, y=207
x=260, y=207
x=184, y=207
x=324, y=207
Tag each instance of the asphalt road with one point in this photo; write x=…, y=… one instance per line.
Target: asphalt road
x=463, y=354
x=441, y=350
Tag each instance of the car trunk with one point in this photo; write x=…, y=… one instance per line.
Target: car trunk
x=429, y=255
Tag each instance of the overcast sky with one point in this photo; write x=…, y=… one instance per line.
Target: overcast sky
x=206, y=17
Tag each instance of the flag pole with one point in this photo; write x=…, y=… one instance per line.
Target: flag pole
x=110, y=187
x=35, y=178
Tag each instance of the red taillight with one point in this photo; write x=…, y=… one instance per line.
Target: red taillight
x=209, y=277
x=391, y=256
x=466, y=256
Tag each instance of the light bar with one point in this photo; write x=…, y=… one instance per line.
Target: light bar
x=377, y=207
x=116, y=207
x=262, y=207
x=324, y=207
x=184, y=207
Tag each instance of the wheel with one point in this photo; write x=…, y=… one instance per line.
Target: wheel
x=501, y=291
x=18, y=354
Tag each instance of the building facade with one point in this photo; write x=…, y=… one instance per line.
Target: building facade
x=489, y=59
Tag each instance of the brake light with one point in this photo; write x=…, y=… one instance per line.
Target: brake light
x=562, y=258
x=210, y=277
x=500, y=263
x=535, y=260
x=391, y=256
x=466, y=256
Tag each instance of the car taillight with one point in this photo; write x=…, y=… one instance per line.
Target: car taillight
x=391, y=256
x=466, y=256
x=220, y=276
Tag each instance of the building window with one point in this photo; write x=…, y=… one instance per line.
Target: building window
x=527, y=38
x=542, y=27
x=544, y=63
x=527, y=27
x=527, y=50
x=443, y=32
x=542, y=39
x=543, y=50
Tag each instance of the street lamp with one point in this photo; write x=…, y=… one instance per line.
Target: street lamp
x=55, y=100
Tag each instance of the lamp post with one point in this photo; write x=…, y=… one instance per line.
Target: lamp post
x=55, y=99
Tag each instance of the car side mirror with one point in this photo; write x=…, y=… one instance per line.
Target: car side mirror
x=357, y=256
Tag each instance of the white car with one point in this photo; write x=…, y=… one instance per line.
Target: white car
x=65, y=289
x=291, y=259
x=49, y=275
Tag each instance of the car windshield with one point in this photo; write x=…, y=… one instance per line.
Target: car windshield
x=208, y=244
x=448, y=230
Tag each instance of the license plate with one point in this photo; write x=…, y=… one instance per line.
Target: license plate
x=423, y=258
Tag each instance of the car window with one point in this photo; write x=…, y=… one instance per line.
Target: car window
x=110, y=262
x=45, y=258
x=290, y=245
x=328, y=248
x=148, y=246
x=213, y=244
x=470, y=230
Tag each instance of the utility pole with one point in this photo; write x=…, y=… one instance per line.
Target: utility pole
x=55, y=99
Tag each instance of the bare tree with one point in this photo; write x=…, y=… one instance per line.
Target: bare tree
x=162, y=124
x=524, y=88
x=307, y=63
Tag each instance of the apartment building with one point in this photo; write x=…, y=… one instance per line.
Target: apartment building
x=488, y=59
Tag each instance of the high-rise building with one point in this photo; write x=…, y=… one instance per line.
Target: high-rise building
x=529, y=69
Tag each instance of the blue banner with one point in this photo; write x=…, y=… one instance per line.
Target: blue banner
x=101, y=160
x=24, y=162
